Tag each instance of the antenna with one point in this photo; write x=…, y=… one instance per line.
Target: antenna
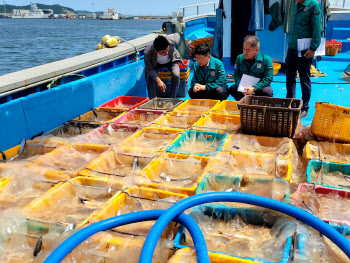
x=93, y=9
x=5, y=7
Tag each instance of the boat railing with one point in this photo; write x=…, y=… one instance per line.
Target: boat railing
x=181, y=13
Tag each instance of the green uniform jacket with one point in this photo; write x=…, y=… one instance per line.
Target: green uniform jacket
x=262, y=68
x=306, y=23
x=214, y=78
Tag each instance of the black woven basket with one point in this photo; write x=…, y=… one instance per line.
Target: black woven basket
x=268, y=116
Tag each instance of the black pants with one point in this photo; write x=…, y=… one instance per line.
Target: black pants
x=220, y=93
x=303, y=65
x=267, y=91
x=174, y=69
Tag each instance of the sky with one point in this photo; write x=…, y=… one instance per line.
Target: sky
x=128, y=7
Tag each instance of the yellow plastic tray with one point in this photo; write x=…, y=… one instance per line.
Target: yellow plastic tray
x=317, y=150
x=111, y=208
x=283, y=169
x=218, y=118
x=331, y=122
x=204, y=40
x=263, y=141
x=36, y=146
x=51, y=198
x=109, y=160
x=231, y=163
x=106, y=115
x=171, y=120
x=227, y=107
x=186, y=106
x=167, y=75
x=155, y=168
x=40, y=162
x=152, y=133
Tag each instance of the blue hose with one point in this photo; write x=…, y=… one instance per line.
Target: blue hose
x=73, y=241
x=179, y=207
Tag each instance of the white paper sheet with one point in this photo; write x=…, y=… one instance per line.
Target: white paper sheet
x=247, y=82
x=305, y=43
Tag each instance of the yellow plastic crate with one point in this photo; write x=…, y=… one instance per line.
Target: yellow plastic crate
x=11, y=168
x=227, y=107
x=113, y=206
x=204, y=40
x=255, y=165
x=134, y=142
x=327, y=151
x=331, y=122
x=51, y=161
x=195, y=106
x=185, y=254
x=110, y=247
x=155, y=168
x=18, y=195
x=50, y=201
x=167, y=75
x=180, y=120
x=34, y=147
x=103, y=116
x=217, y=122
x=271, y=145
x=111, y=160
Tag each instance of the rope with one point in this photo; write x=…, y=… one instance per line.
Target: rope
x=66, y=75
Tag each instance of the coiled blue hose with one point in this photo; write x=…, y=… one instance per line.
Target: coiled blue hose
x=73, y=241
x=157, y=229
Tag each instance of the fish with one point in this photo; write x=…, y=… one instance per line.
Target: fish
x=310, y=210
x=83, y=200
x=139, y=202
x=38, y=245
x=235, y=235
x=110, y=130
x=165, y=177
x=135, y=164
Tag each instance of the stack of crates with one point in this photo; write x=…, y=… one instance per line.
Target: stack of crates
x=204, y=40
x=165, y=76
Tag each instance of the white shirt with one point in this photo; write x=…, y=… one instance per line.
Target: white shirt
x=162, y=59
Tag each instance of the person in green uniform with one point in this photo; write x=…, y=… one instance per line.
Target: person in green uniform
x=209, y=78
x=256, y=64
x=306, y=23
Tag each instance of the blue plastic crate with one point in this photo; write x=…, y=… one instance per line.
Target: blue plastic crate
x=209, y=136
x=180, y=236
x=252, y=215
x=327, y=167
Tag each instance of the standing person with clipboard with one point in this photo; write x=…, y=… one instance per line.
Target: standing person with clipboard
x=306, y=23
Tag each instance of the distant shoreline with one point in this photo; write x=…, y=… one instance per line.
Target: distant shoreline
x=7, y=16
